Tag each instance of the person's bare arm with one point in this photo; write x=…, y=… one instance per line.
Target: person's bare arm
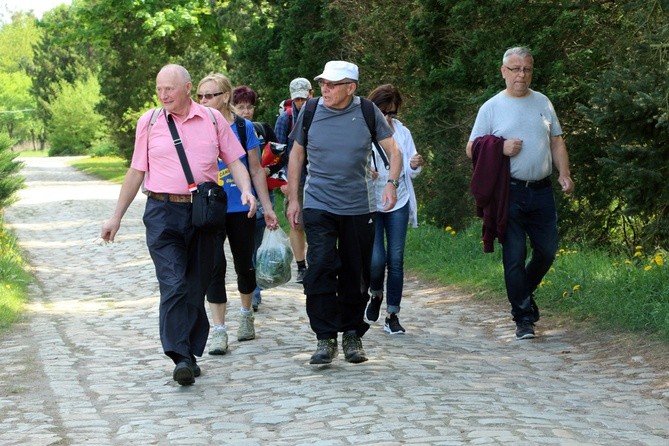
x=131, y=183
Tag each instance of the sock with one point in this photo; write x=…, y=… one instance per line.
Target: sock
x=219, y=327
x=246, y=311
x=301, y=264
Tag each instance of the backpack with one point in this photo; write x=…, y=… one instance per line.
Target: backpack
x=367, y=111
x=241, y=131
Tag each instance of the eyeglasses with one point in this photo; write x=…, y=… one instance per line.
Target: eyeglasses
x=208, y=96
x=331, y=85
x=516, y=70
x=392, y=114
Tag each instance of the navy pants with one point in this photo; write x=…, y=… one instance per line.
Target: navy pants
x=337, y=281
x=532, y=215
x=183, y=258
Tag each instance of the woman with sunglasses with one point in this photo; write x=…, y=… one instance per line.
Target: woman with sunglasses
x=215, y=91
x=391, y=225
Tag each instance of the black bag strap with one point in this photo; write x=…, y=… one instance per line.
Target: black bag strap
x=241, y=130
x=180, y=150
x=370, y=118
x=309, y=109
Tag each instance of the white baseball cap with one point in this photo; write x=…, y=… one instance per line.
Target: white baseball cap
x=336, y=70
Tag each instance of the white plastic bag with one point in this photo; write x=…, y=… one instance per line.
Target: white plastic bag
x=273, y=259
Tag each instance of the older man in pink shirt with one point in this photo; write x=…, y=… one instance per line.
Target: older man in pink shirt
x=182, y=255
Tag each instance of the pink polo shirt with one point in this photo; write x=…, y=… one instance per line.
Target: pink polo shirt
x=203, y=143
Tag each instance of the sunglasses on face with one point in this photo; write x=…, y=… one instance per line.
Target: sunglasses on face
x=208, y=96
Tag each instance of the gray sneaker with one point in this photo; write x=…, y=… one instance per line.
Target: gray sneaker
x=326, y=351
x=219, y=343
x=246, y=330
x=352, y=345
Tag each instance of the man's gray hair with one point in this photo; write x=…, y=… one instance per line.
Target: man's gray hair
x=179, y=70
x=516, y=51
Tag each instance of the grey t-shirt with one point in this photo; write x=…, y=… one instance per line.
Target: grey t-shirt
x=532, y=119
x=338, y=174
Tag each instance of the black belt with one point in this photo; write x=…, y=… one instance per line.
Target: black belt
x=538, y=184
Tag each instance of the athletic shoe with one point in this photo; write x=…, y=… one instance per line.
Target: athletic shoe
x=219, y=343
x=352, y=346
x=326, y=351
x=524, y=330
x=373, y=308
x=393, y=326
x=246, y=330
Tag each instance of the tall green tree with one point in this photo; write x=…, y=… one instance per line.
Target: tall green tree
x=74, y=123
x=623, y=161
x=133, y=40
x=59, y=56
x=17, y=105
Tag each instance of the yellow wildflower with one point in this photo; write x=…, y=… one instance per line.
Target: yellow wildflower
x=659, y=259
x=648, y=268
x=576, y=287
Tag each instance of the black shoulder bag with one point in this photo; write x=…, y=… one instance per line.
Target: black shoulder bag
x=210, y=202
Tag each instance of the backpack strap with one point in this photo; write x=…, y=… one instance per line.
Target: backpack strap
x=370, y=118
x=154, y=116
x=241, y=131
x=309, y=108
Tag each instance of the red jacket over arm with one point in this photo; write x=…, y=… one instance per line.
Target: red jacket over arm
x=490, y=187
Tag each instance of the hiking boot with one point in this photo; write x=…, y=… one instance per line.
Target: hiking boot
x=219, y=343
x=246, y=330
x=256, y=299
x=524, y=330
x=373, y=308
x=326, y=351
x=183, y=373
x=299, y=278
x=393, y=326
x=352, y=345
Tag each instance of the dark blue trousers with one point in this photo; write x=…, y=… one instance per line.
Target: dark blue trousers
x=532, y=215
x=183, y=258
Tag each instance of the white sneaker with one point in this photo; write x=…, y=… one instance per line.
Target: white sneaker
x=219, y=343
x=246, y=330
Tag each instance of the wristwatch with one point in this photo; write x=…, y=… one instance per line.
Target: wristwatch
x=394, y=183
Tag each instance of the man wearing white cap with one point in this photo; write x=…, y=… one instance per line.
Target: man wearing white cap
x=300, y=92
x=339, y=208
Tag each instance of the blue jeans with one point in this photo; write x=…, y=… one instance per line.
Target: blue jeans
x=532, y=215
x=389, y=239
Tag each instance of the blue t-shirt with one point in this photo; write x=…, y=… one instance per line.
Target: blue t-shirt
x=224, y=175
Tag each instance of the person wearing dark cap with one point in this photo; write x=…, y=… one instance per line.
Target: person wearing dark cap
x=339, y=208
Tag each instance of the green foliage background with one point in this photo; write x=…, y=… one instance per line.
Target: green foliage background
x=604, y=64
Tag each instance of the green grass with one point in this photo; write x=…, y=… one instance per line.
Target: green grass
x=611, y=292
x=106, y=167
x=14, y=279
x=34, y=153
x=584, y=285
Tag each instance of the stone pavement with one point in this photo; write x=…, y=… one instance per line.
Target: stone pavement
x=85, y=367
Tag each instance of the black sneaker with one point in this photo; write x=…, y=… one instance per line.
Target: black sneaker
x=373, y=308
x=393, y=326
x=524, y=330
x=326, y=351
x=299, y=278
x=352, y=345
x=184, y=373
